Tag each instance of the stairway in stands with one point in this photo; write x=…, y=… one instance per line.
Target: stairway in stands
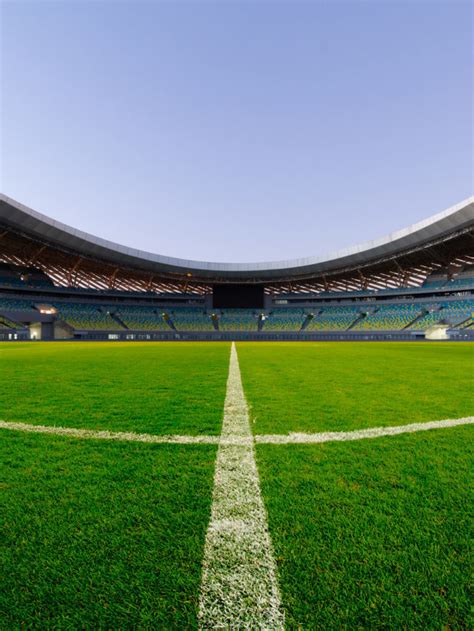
x=6, y=323
x=358, y=319
x=308, y=319
x=468, y=323
x=118, y=320
x=419, y=316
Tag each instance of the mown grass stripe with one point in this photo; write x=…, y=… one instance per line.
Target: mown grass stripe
x=239, y=588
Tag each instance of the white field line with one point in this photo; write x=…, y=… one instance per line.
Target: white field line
x=372, y=432
x=239, y=588
x=274, y=439
x=105, y=435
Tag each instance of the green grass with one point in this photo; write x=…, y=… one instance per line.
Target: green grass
x=158, y=388
x=311, y=387
x=368, y=534
x=100, y=535
x=373, y=534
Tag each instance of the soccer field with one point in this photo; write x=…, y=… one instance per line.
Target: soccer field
x=186, y=485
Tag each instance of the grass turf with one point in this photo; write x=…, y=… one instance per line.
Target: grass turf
x=373, y=534
x=99, y=535
x=367, y=534
x=340, y=386
x=159, y=388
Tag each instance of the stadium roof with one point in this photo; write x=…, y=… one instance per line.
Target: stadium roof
x=53, y=236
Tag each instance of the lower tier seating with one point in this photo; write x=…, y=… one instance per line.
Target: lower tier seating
x=372, y=316
x=238, y=320
x=191, y=319
x=87, y=317
x=391, y=317
x=284, y=320
x=143, y=318
x=338, y=318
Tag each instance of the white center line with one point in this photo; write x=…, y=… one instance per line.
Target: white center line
x=239, y=588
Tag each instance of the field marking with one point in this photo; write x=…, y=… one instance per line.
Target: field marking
x=239, y=587
x=292, y=438
x=73, y=432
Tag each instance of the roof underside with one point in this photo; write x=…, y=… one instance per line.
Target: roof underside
x=74, y=258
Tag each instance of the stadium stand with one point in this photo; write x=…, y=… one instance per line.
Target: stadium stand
x=464, y=280
x=9, y=279
x=405, y=282
x=15, y=304
x=414, y=315
x=436, y=279
x=143, y=318
x=16, y=276
x=88, y=317
x=430, y=313
x=284, y=320
x=191, y=319
x=7, y=323
x=238, y=320
x=338, y=318
x=389, y=317
x=458, y=312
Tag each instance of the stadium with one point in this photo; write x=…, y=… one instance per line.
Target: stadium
x=236, y=316
x=279, y=445
x=60, y=283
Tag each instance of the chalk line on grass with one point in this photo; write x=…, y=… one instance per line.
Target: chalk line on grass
x=239, y=588
x=371, y=432
x=73, y=432
x=293, y=438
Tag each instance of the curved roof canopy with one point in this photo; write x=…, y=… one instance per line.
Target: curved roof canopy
x=37, y=226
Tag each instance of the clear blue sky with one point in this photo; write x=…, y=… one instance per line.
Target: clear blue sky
x=237, y=131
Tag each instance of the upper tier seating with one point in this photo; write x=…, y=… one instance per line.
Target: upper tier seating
x=16, y=304
x=15, y=276
x=463, y=280
x=436, y=280
x=7, y=280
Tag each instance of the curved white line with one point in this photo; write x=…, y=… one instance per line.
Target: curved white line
x=262, y=439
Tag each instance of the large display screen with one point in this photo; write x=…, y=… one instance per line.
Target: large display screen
x=238, y=296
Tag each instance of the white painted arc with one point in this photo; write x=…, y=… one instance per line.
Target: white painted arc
x=239, y=587
x=93, y=434
x=371, y=432
x=276, y=439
